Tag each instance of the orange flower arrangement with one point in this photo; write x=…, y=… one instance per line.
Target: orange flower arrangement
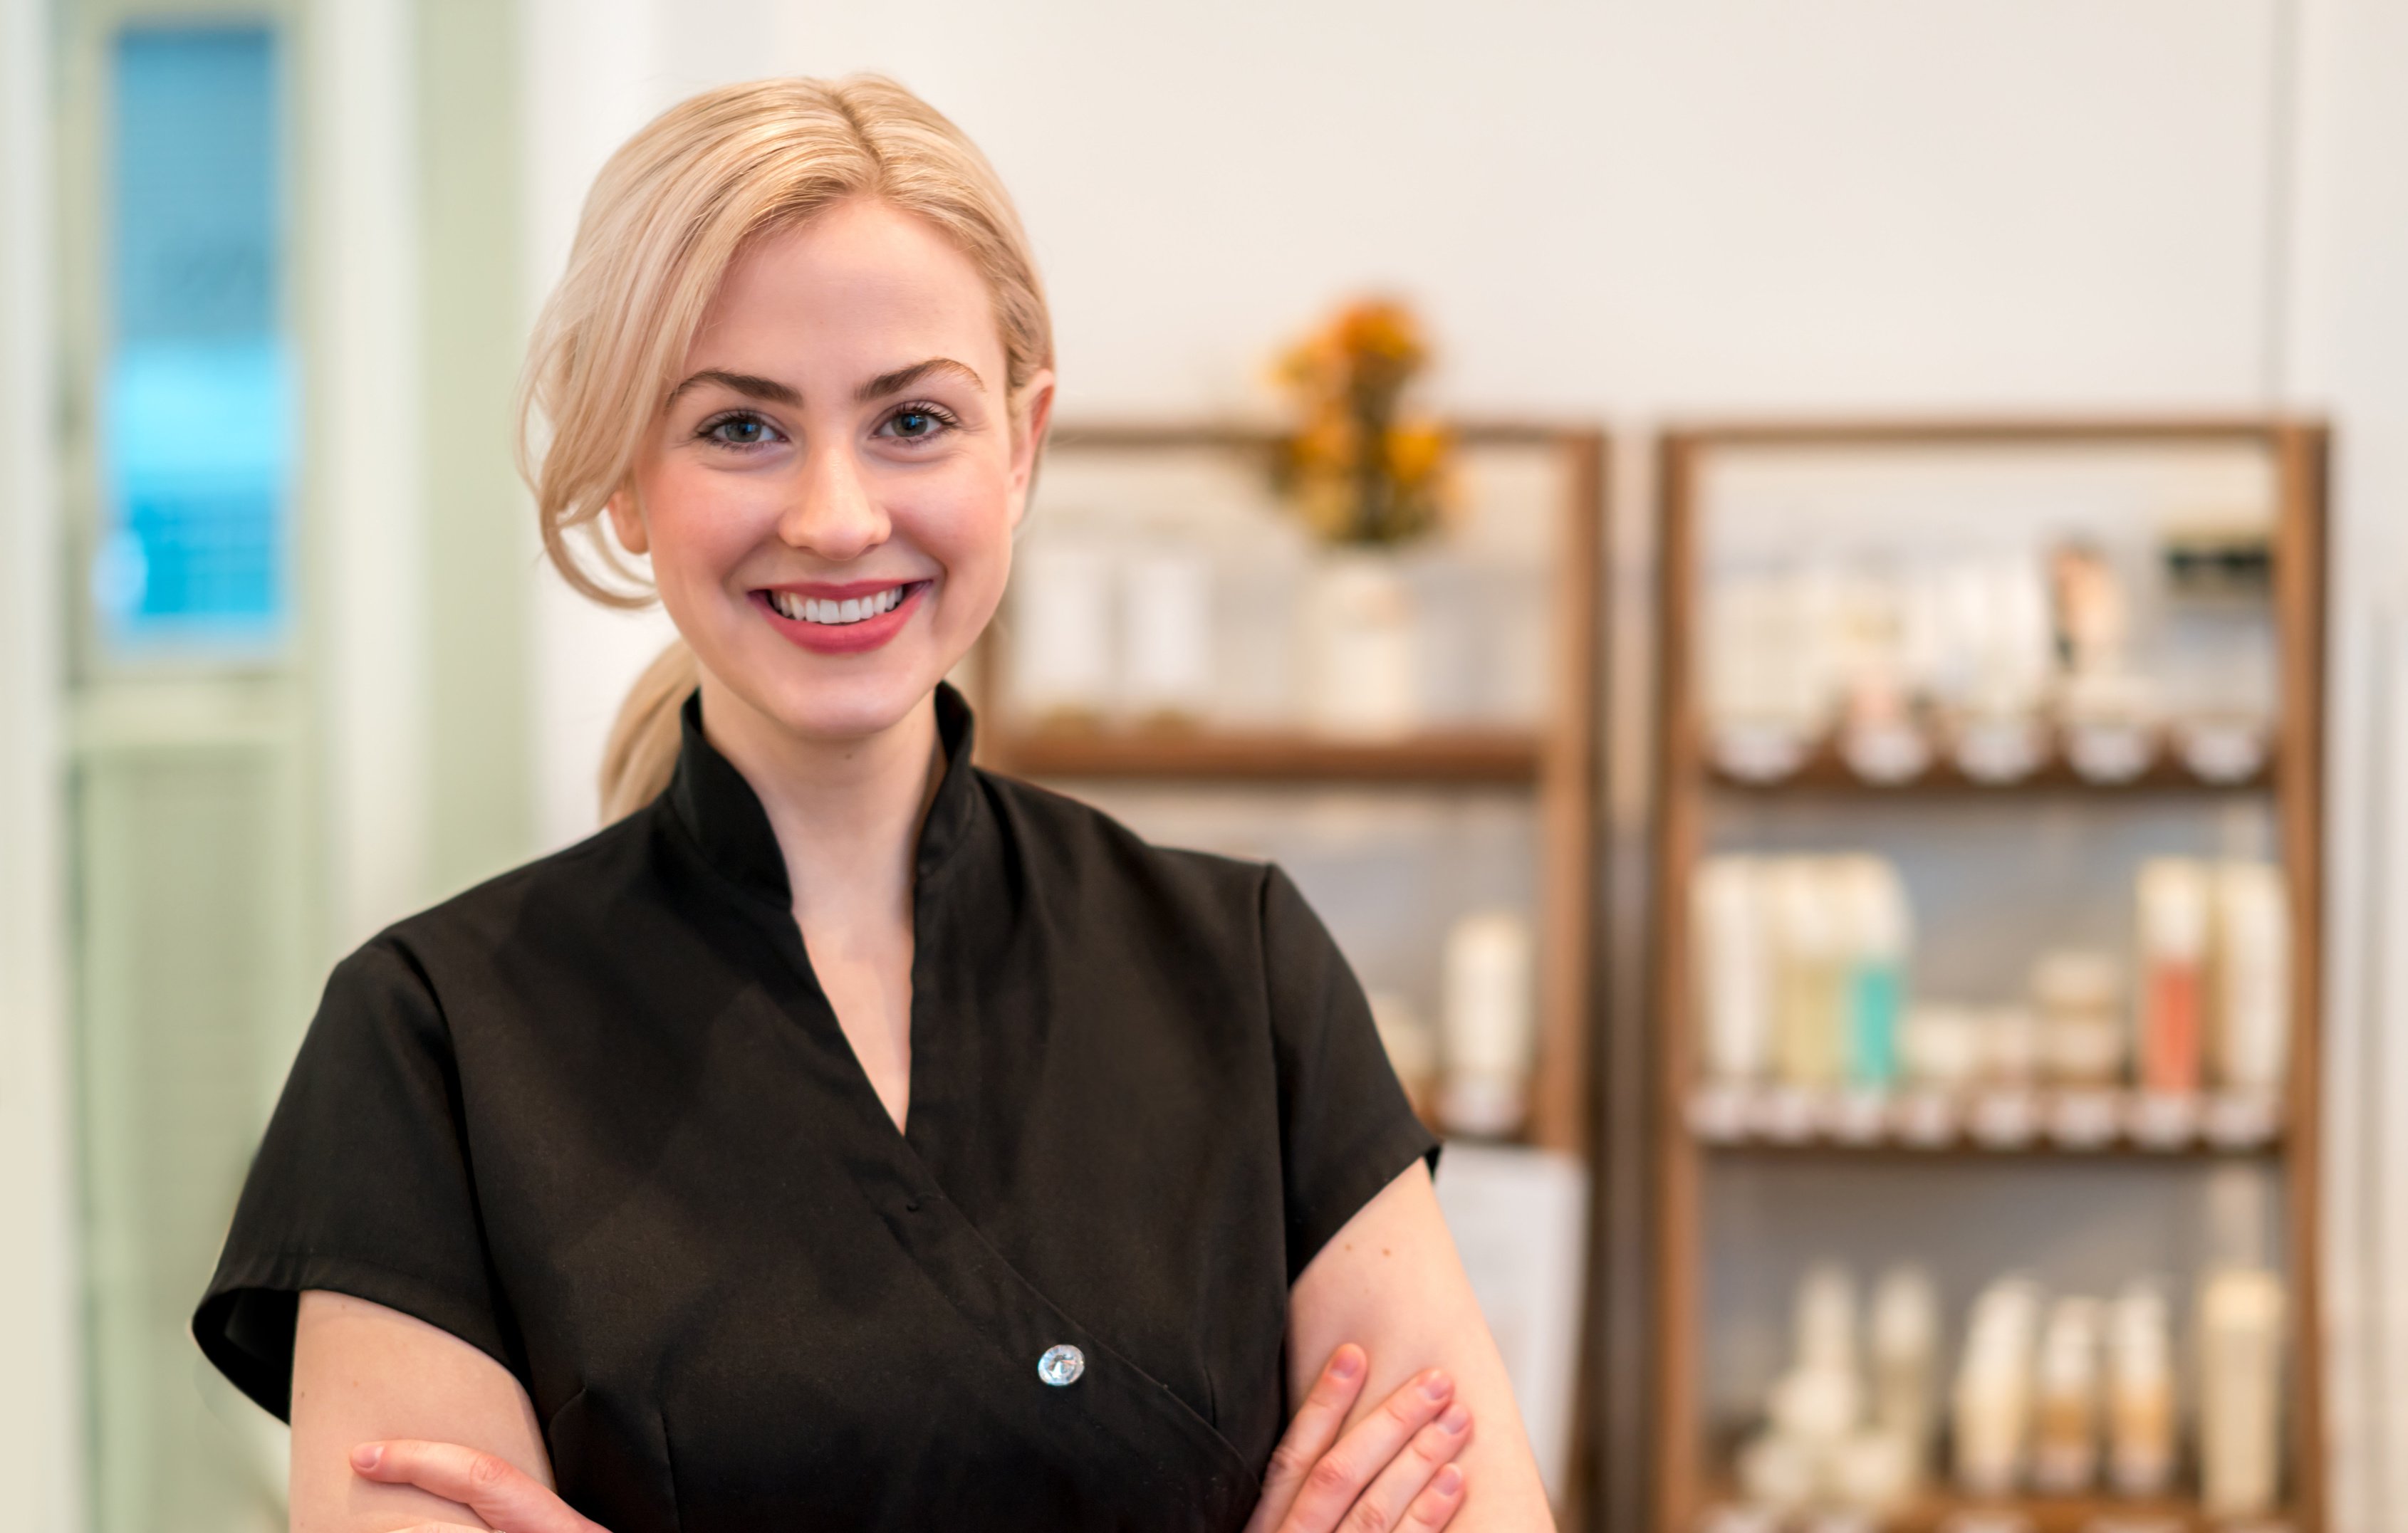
x=1359, y=472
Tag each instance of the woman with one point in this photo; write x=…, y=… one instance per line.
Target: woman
x=843, y=1137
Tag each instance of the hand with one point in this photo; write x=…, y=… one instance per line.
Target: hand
x=1395, y=1470
x=504, y=1496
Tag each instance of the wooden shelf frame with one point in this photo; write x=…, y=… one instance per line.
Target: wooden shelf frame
x=1557, y=762
x=1686, y=782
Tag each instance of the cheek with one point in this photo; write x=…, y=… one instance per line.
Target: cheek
x=703, y=524
x=964, y=523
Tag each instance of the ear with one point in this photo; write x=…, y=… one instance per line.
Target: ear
x=1028, y=439
x=627, y=521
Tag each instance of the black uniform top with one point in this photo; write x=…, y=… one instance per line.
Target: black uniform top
x=597, y=1118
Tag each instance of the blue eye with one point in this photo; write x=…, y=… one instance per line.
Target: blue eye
x=917, y=424
x=738, y=431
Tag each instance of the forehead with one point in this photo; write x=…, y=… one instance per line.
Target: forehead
x=863, y=284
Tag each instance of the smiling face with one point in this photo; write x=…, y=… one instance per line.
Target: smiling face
x=829, y=495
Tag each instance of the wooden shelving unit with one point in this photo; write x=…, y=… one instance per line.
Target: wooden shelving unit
x=1687, y=1483
x=1556, y=761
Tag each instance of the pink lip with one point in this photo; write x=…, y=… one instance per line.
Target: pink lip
x=844, y=638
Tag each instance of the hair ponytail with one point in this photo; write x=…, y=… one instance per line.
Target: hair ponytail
x=642, y=750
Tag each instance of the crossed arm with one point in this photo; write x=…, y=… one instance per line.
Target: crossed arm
x=398, y=1425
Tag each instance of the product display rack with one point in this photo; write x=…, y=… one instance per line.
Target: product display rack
x=1690, y=1475
x=1555, y=762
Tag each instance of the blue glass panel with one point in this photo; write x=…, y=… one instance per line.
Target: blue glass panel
x=196, y=409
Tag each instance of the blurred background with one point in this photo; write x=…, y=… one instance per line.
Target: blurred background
x=1815, y=592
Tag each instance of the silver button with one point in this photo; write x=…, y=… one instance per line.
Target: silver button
x=1061, y=1364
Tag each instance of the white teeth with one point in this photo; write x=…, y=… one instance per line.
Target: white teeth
x=813, y=610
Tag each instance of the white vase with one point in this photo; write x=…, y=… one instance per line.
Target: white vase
x=1366, y=665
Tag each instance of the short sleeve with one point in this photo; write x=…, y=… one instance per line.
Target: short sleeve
x=1346, y=1130
x=360, y=1187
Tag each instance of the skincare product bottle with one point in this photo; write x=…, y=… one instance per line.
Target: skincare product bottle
x=1811, y=973
x=2252, y=977
x=1062, y=640
x=1875, y=902
x=1825, y=1321
x=2239, y=1392
x=1820, y=1401
x=2174, y=933
x=2065, y=1423
x=1411, y=1046
x=2079, y=994
x=1733, y=974
x=1872, y=1473
x=1488, y=1024
x=1905, y=1352
x=2011, y=1045
x=1944, y=1046
x=2141, y=1391
x=1992, y=1403
x=1166, y=623
x=1367, y=678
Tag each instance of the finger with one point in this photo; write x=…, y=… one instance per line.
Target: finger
x=1431, y=1449
x=1310, y=1435
x=1332, y=1487
x=487, y=1485
x=1438, y=1503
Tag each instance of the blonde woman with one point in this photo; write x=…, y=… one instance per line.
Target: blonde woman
x=844, y=1137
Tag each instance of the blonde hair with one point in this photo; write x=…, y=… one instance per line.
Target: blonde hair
x=668, y=215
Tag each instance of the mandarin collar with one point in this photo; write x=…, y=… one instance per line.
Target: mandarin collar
x=710, y=798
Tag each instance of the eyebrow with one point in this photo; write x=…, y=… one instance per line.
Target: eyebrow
x=903, y=378
x=743, y=383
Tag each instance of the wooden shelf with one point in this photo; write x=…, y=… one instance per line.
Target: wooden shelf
x=1825, y=773
x=1448, y=759
x=2096, y=1513
x=1972, y=1150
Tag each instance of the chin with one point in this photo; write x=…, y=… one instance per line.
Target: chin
x=837, y=705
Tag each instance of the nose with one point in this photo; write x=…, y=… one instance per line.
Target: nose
x=834, y=512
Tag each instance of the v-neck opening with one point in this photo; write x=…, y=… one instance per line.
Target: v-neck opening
x=717, y=809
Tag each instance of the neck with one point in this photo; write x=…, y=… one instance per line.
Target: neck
x=847, y=813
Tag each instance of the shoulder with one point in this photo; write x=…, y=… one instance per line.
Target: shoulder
x=1065, y=841
x=1104, y=881
x=567, y=896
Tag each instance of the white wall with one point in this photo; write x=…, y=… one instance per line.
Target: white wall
x=594, y=76
x=2349, y=355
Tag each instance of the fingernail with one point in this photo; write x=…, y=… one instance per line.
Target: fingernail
x=1347, y=1363
x=1449, y=1481
x=1455, y=1420
x=1438, y=1386
x=367, y=1456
